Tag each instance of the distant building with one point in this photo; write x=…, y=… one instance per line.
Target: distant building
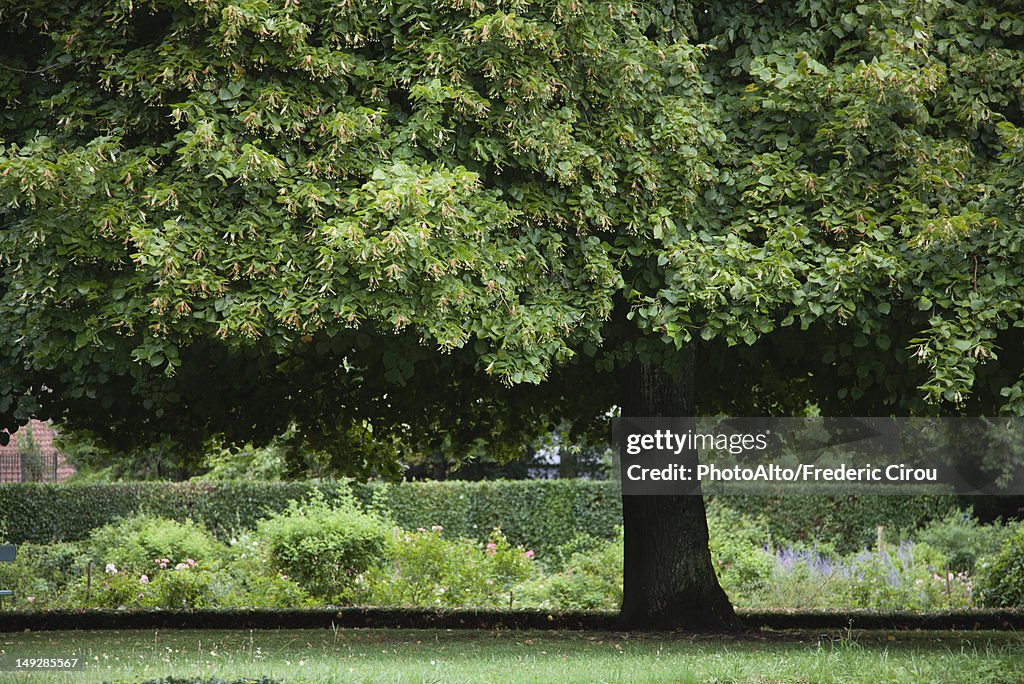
x=31, y=456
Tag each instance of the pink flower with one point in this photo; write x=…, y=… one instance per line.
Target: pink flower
x=144, y=579
x=437, y=528
x=492, y=549
x=529, y=553
x=181, y=566
x=111, y=569
x=30, y=599
x=191, y=562
x=163, y=565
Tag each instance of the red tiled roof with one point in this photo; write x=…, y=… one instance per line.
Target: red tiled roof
x=43, y=436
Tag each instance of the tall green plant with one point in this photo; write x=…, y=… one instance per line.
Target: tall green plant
x=33, y=464
x=322, y=546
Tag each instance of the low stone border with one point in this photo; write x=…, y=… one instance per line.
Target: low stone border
x=13, y=621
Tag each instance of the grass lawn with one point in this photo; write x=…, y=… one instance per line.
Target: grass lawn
x=378, y=655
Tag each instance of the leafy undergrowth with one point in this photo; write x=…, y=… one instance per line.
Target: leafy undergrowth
x=323, y=555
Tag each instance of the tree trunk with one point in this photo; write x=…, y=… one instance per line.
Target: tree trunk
x=669, y=581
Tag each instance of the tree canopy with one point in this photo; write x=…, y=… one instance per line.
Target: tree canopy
x=227, y=216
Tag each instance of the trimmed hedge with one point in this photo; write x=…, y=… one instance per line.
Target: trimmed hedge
x=541, y=514
x=848, y=521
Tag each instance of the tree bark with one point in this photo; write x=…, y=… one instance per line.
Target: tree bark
x=669, y=580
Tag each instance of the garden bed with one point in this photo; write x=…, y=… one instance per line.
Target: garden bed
x=323, y=553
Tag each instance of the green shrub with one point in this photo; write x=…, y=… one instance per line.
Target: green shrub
x=185, y=586
x=425, y=569
x=738, y=550
x=321, y=546
x=1001, y=577
x=249, y=590
x=905, y=577
x=962, y=540
x=583, y=542
x=591, y=579
x=41, y=573
x=144, y=542
x=181, y=588
x=21, y=576
x=110, y=588
x=506, y=566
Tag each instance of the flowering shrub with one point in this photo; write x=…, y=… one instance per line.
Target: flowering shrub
x=111, y=589
x=185, y=586
x=134, y=543
x=427, y=569
x=909, y=576
x=904, y=577
x=589, y=579
x=188, y=585
x=505, y=567
x=800, y=578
